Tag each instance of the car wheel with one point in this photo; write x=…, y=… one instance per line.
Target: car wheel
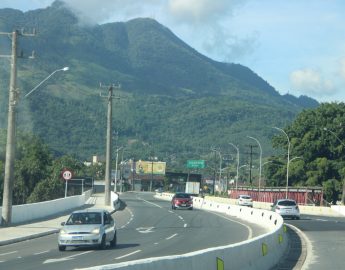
x=114, y=241
x=191, y=208
x=103, y=243
x=62, y=248
x=297, y=217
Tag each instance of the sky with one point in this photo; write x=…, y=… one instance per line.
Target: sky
x=297, y=46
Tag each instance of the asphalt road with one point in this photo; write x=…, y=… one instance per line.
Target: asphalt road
x=325, y=241
x=146, y=228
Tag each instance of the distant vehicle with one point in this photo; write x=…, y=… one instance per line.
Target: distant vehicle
x=90, y=227
x=192, y=188
x=245, y=200
x=286, y=208
x=182, y=200
x=159, y=190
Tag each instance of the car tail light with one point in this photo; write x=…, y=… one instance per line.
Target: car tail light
x=297, y=207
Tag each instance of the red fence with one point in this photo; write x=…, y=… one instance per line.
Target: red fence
x=300, y=195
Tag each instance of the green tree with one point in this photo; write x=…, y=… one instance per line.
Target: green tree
x=318, y=137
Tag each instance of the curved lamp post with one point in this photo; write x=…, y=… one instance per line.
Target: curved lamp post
x=260, y=163
x=6, y=216
x=238, y=162
x=38, y=85
x=288, y=161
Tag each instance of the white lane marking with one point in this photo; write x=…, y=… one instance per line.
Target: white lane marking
x=156, y=243
x=130, y=220
x=180, y=217
x=145, y=229
x=66, y=258
x=319, y=219
x=152, y=203
x=38, y=253
x=171, y=211
x=185, y=225
x=3, y=254
x=129, y=254
x=250, y=233
x=170, y=237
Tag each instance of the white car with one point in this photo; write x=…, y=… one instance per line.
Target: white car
x=90, y=227
x=286, y=208
x=245, y=200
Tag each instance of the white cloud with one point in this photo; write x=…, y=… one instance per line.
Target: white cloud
x=201, y=11
x=311, y=82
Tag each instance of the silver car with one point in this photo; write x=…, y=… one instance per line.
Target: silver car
x=90, y=227
x=286, y=208
x=245, y=200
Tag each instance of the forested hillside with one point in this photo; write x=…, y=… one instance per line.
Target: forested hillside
x=173, y=100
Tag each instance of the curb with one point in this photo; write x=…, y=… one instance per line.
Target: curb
x=28, y=237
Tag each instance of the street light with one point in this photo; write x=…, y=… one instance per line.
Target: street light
x=238, y=163
x=220, y=168
x=6, y=215
x=288, y=161
x=38, y=85
x=260, y=163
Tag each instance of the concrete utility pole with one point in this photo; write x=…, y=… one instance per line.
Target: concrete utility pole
x=6, y=215
x=107, y=184
x=10, y=145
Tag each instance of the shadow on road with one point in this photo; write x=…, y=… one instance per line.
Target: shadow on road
x=296, y=253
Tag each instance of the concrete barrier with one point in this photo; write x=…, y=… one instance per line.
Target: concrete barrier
x=339, y=209
x=28, y=212
x=262, y=252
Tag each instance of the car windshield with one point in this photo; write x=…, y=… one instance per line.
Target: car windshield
x=245, y=197
x=84, y=218
x=287, y=203
x=182, y=195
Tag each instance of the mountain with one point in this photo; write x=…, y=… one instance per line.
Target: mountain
x=173, y=100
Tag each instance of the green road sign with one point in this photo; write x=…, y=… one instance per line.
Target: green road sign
x=196, y=164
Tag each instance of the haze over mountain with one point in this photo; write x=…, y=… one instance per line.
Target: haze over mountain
x=173, y=100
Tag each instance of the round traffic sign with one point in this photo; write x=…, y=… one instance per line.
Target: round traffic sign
x=67, y=174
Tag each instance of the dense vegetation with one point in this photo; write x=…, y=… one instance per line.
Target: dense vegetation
x=37, y=175
x=317, y=151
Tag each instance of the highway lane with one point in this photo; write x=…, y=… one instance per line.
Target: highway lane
x=146, y=228
x=326, y=237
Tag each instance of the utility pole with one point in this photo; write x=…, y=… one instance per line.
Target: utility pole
x=251, y=162
x=6, y=216
x=107, y=184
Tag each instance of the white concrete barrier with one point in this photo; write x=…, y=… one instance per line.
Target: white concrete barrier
x=339, y=209
x=28, y=212
x=262, y=252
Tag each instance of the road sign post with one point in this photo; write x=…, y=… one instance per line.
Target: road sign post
x=66, y=175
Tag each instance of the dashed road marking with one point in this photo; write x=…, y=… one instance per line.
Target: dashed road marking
x=129, y=254
x=172, y=236
x=3, y=254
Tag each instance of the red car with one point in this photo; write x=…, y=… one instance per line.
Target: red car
x=182, y=200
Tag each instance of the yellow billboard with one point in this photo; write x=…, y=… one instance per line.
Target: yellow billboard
x=149, y=167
